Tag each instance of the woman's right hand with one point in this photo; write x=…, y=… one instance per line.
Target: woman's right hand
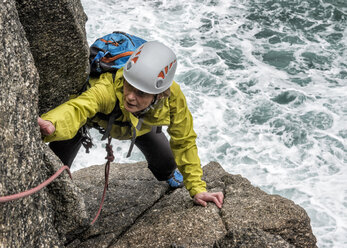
x=46, y=127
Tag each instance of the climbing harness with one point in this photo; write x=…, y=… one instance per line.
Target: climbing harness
x=109, y=157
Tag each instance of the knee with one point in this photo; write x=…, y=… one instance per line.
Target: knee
x=162, y=170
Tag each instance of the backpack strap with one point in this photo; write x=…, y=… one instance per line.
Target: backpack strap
x=113, y=116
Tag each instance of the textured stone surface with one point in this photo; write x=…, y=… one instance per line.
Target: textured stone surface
x=142, y=212
x=132, y=190
x=40, y=220
x=57, y=37
x=252, y=237
x=249, y=207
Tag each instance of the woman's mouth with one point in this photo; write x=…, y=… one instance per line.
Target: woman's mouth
x=130, y=105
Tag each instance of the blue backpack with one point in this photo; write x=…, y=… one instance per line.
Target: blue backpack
x=110, y=52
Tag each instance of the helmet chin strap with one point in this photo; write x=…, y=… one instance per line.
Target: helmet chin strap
x=150, y=106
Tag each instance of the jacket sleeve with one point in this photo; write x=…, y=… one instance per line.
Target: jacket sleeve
x=183, y=144
x=70, y=116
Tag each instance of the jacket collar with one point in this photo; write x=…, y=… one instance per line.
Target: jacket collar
x=158, y=115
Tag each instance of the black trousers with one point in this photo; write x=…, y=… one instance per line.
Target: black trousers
x=154, y=145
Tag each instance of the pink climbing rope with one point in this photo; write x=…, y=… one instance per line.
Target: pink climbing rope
x=109, y=157
x=37, y=188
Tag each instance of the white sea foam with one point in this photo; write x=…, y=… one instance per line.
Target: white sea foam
x=280, y=124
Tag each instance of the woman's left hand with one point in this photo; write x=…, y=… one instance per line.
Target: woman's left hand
x=46, y=127
x=204, y=197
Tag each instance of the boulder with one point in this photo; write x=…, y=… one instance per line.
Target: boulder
x=57, y=37
x=140, y=211
x=42, y=219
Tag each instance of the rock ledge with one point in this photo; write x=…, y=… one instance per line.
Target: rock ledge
x=141, y=212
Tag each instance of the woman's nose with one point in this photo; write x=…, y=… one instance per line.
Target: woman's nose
x=131, y=96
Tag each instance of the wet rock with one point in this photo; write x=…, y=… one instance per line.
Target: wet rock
x=289, y=96
x=278, y=59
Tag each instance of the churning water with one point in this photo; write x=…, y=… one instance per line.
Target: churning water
x=266, y=82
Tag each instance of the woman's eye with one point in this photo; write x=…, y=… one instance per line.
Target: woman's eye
x=140, y=93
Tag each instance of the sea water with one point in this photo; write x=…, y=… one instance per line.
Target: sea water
x=266, y=82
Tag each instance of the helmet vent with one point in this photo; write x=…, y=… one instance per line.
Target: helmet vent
x=162, y=74
x=136, y=57
x=159, y=83
x=129, y=65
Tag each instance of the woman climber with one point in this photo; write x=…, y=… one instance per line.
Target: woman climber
x=146, y=98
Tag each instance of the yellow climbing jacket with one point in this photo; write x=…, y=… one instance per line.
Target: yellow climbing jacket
x=173, y=112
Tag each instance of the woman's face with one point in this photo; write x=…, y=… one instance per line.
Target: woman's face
x=135, y=100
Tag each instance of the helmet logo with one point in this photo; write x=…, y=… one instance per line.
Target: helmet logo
x=162, y=74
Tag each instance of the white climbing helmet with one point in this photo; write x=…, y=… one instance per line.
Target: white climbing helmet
x=151, y=68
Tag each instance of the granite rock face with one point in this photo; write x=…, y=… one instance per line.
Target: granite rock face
x=141, y=212
x=57, y=37
x=43, y=219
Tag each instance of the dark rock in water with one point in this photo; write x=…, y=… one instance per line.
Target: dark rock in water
x=57, y=37
x=43, y=219
x=142, y=212
x=285, y=97
x=278, y=59
x=289, y=96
